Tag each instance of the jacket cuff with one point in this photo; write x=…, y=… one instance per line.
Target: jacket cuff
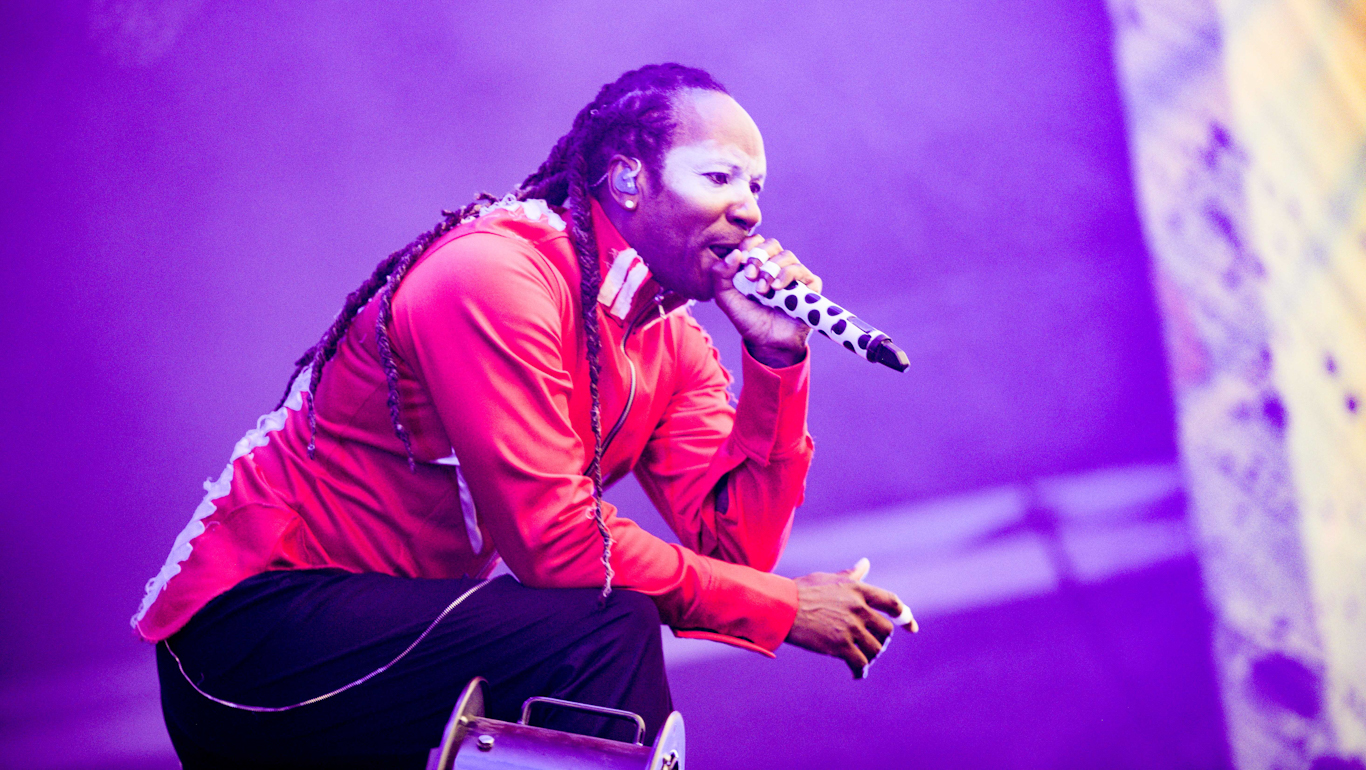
x=770, y=420
x=712, y=636
x=769, y=605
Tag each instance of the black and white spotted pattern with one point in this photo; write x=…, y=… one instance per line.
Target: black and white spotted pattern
x=815, y=311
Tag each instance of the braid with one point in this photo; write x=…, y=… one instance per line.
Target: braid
x=354, y=302
x=386, y=296
x=631, y=116
x=386, y=349
x=386, y=276
x=586, y=246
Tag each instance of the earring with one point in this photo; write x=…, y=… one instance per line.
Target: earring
x=629, y=204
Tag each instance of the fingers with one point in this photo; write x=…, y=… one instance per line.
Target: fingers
x=879, y=625
x=791, y=269
x=873, y=598
x=839, y=615
x=867, y=646
x=883, y=600
x=754, y=261
x=888, y=602
x=859, y=571
x=856, y=654
x=755, y=250
x=873, y=659
x=907, y=620
x=871, y=636
x=769, y=245
x=733, y=262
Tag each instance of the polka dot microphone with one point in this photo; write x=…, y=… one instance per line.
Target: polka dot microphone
x=824, y=316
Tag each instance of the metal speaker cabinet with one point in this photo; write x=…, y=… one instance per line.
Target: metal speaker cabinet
x=473, y=742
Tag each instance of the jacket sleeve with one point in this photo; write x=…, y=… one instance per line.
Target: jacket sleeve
x=729, y=480
x=488, y=327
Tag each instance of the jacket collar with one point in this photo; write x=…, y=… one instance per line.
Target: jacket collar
x=627, y=286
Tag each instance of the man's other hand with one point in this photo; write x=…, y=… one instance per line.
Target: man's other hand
x=839, y=615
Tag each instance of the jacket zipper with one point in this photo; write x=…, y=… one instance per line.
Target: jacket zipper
x=631, y=396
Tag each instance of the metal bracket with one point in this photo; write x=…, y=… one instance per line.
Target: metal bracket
x=603, y=710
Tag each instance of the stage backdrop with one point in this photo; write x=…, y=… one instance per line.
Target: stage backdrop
x=191, y=188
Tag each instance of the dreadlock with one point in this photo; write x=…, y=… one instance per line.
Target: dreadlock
x=632, y=116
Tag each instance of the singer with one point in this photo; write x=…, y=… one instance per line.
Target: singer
x=471, y=403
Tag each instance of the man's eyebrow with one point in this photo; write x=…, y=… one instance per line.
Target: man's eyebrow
x=730, y=165
x=725, y=163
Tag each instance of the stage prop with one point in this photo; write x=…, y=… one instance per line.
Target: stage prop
x=472, y=741
x=1247, y=125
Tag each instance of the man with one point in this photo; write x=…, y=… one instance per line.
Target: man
x=470, y=403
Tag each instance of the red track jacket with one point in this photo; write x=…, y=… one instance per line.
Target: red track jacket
x=494, y=392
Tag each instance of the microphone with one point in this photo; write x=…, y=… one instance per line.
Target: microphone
x=824, y=316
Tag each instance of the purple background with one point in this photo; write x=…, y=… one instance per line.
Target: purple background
x=186, y=207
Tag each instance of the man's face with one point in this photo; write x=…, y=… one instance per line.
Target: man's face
x=704, y=201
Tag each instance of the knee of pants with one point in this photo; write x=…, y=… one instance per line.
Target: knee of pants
x=635, y=617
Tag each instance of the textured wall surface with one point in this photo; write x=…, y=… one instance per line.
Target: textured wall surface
x=1297, y=78
x=1249, y=144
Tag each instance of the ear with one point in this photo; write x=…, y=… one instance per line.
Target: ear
x=625, y=181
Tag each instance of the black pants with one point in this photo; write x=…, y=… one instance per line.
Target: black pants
x=284, y=637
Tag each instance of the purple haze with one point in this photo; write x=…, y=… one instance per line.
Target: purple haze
x=192, y=188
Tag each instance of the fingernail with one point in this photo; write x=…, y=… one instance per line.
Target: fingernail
x=907, y=619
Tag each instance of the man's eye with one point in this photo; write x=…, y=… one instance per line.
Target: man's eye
x=718, y=177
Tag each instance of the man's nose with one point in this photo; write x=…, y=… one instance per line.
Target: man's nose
x=745, y=214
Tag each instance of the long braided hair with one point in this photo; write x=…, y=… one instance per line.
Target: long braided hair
x=632, y=116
